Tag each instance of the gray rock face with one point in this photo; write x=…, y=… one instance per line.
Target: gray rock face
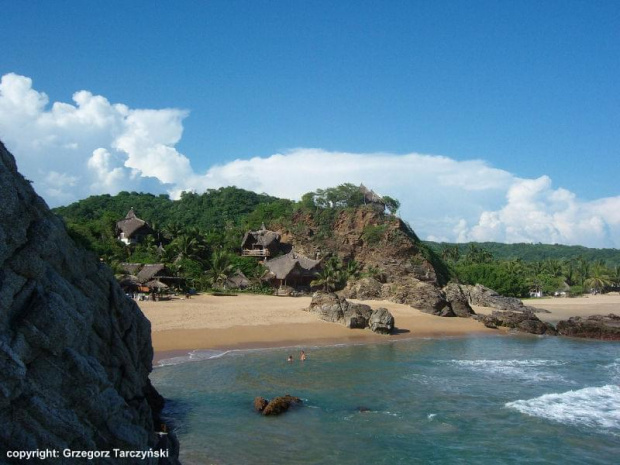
x=381, y=321
x=328, y=306
x=606, y=327
x=426, y=297
x=357, y=315
x=333, y=308
x=485, y=297
x=458, y=300
x=75, y=353
x=364, y=289
x=523, y=321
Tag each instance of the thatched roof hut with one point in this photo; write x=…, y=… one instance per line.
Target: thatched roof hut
x=131, y=268
x=148, y=272
x=156, y=284
x=238, y=280
x=292, y=269
x=132, y=229
x=371, y=197
x=261, y=243
x=143, y=275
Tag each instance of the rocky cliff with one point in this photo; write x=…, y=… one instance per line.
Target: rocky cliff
x=75, y=353
x=395, y=265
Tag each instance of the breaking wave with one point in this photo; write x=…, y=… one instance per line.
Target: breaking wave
x=591, y=407
x=532, y=370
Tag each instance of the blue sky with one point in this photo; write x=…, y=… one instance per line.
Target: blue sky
x=520, y=99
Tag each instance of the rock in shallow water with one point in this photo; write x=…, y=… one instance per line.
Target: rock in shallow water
x=606, y=327
x=276, y=406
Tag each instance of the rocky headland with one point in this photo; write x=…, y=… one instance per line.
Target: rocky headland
x=75, y=353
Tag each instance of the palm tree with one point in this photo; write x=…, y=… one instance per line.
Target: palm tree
x=514, y=267
x=583, y=269
x=451, y=253
x=328, y=278
x=331, y=276
x=221, y=268
x=553, y=267
x=569, y=270
x=599, y=278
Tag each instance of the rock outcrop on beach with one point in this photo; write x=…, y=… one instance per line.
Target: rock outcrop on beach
x=523, y=321
x=605, y=327
x=75, y=352
x=330, y=307
x=276, y=406
x=458, y=300
x=485, y=297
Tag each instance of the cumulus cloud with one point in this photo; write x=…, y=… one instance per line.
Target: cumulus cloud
x=91, y=146
x=535, y=212
x=98, y=146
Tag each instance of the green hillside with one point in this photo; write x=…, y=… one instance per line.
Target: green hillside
x=199, y=235
x=536, y=252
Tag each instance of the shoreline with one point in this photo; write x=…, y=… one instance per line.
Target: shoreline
x=358, y=339
x=248, y=321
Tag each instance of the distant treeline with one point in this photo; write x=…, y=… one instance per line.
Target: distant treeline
x=535, y=252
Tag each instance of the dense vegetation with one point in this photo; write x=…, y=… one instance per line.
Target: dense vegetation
x=198, y=237
x=472, y=263
x=535, y=252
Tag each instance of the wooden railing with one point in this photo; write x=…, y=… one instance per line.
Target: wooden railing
x=256, y=253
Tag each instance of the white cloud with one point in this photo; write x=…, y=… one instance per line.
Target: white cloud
x=535, y=212
x=91, y=146
x=108, y=147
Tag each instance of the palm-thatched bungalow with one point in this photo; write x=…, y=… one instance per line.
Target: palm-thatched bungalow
x=292, y=269
x=132, y=229
x=372, y=198
x=262, y=243
x=155, y=276
x=237, y=280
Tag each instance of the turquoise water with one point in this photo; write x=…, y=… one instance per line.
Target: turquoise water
x=485, y=400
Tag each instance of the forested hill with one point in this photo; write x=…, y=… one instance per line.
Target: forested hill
x=216, y=208
x=229, y=211
x=535, y=252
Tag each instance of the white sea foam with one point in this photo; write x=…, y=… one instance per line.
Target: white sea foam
x=591, y=407
x=431, y=416
x=532, y=370
x=614, y=369
x=193, y=356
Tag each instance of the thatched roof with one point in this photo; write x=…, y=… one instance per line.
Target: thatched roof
x=371, y=196
x=131, y=268
x=156, y=284
x=128, y=281
x=148, y=272
x=263, y=237
x=238, y=279
x=131, y=224
x=284, y=265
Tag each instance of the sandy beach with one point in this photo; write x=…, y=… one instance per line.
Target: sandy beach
x=563, y=308
x=253, y=321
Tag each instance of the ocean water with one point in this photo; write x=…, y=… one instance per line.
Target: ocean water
x=471, y=400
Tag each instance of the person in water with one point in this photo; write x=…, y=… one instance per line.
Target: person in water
x=302, y=357
x=290, y=358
